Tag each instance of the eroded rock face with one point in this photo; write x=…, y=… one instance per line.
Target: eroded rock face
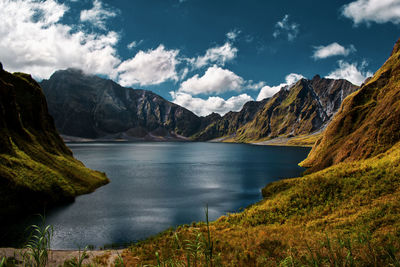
x=92, y=107
x=301, y=109
x=368, y=122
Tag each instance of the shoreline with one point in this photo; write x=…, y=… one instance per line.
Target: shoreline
x=296, y=141
x=58, y=257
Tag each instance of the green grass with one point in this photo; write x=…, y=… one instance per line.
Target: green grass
x=38, y=245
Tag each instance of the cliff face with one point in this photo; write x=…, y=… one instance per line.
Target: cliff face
x=36, y=168
x=92, y=107
x=301, y=109
x=230, y=122
x=368, y=122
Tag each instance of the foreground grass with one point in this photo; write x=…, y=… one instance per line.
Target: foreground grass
x=345, y=215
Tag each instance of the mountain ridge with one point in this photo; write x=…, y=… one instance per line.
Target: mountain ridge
x=108, y=110
x=301, y=109
x=90, y=107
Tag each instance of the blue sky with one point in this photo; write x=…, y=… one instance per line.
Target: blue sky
x=206, y=55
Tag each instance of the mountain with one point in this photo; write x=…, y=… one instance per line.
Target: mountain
x=88, y=106
x=92, y=107
x=367, y=123
x=230, y=122
x=36, y=168
x=303, y=108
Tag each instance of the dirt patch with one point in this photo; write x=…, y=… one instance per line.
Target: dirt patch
x=58, y=257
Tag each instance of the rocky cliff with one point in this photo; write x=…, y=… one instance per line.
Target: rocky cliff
x=91, y=107
x=303, y=108
x=368, y=122
x=36, y=168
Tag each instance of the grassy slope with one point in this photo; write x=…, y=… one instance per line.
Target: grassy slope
x=36, y=168
x=367, y=123
x=345, y=215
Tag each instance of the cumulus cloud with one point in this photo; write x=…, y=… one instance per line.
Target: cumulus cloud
x=268, y=91
x=218, y=55
x=97, y=15
x=367, y=11
x=203, y=107
x=351, y=72
x=215, y=80
x=39, y=43
x=149, y=67
x=333, y=49
x=287, y=28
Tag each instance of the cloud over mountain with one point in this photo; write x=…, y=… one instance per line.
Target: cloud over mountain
x=352, y=72
x=204, y=107
x=150, y=67
x=268, y=91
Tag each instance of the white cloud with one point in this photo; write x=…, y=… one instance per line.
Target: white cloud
x=379, y=11
x=34, y=40
x=98, y=15
x=215, y=80
x=333, y=49
x=203, y=107
x=149, y=67
x=351, y=72
x=219, y=55
x=285, y=27
x=232, y=35
x=134, y=44
x=268, y=91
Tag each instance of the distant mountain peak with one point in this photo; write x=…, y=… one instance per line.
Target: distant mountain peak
x=92, y=107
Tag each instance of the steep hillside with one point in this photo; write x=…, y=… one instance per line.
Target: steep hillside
x=230, y=122
x=367, y=123
x=91, y=107
x=301, y=109
x=36, y=168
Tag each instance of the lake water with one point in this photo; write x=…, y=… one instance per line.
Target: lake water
x=158, y=185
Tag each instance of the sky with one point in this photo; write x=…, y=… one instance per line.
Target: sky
x=206, y=55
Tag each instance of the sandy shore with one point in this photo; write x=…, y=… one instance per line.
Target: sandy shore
x=58, y=257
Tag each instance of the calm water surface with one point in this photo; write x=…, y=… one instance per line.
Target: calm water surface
x=158, y=185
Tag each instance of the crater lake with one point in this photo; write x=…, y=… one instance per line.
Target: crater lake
x=157, y=185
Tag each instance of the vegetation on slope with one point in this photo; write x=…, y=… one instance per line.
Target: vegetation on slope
x=367, y=123
x=301, y=109
x=230, y=122
x=36, y=168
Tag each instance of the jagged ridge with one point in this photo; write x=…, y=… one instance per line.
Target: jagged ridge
x=301, y=109
x=89, y=106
